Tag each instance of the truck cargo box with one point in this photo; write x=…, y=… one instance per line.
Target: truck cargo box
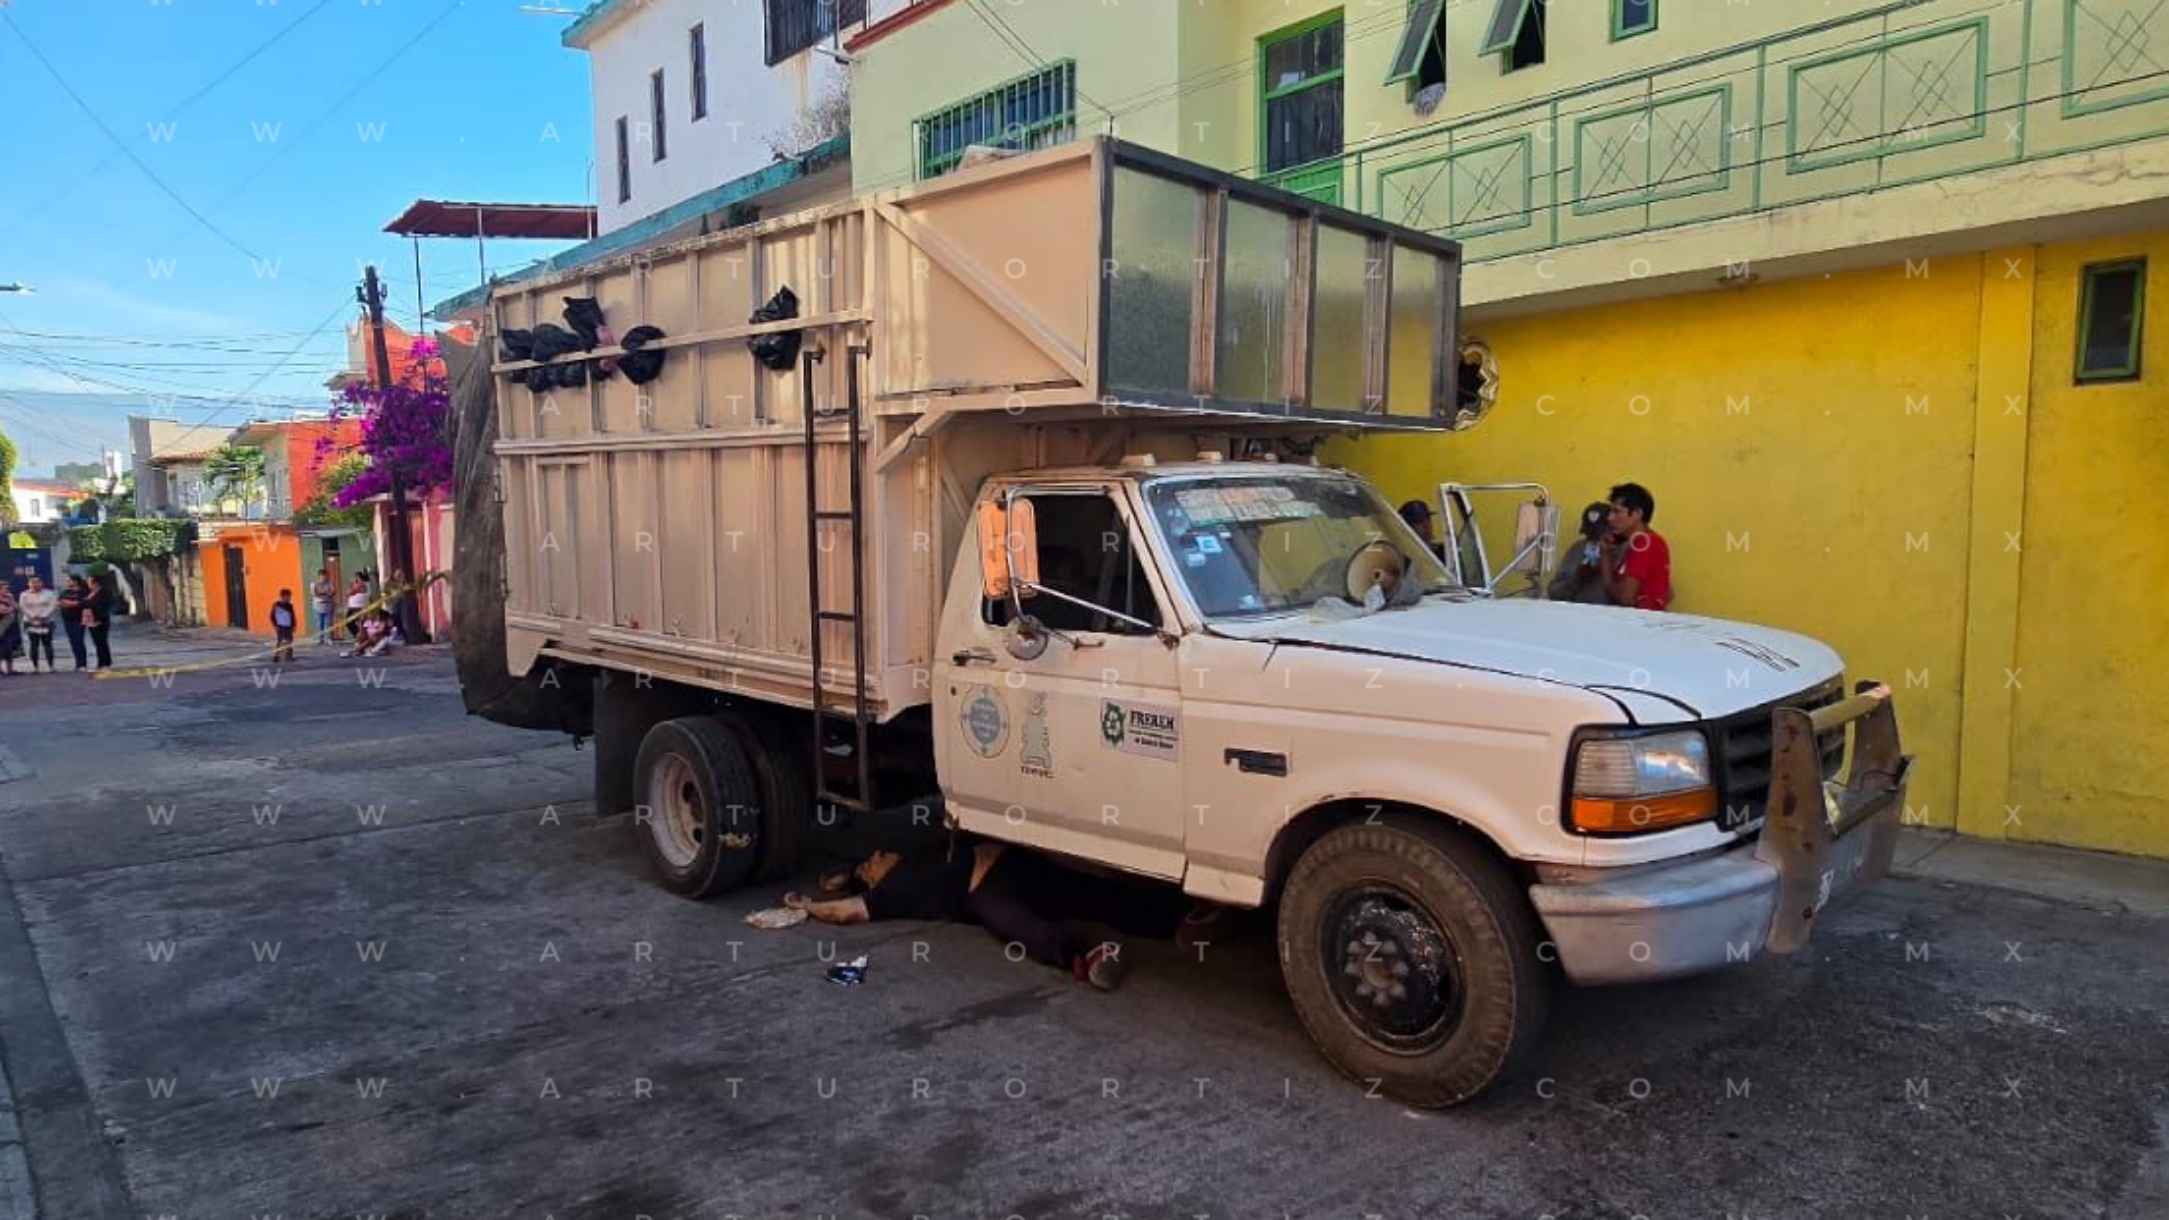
x=1064, y=306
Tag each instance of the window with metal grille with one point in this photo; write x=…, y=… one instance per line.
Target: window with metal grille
x=1301, y=93
x=625, y=163
x=794, y=25
x=1035, y=111
x=697, y=51
x=2112, y=321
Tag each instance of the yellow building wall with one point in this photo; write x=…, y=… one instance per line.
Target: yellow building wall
x=1810, y=474
x=2090, y=729
x=1845, y=457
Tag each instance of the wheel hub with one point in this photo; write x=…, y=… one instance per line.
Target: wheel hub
x=1394, y=972
x=674, y=805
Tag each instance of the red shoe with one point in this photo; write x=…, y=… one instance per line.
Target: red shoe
x=1103, y=968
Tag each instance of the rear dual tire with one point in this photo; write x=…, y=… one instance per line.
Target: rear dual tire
x=719, y=804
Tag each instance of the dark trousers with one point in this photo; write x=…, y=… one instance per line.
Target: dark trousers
x=98, y=642
x=75, y=642
x=41, y=641
x=1030, y=901
x=283, y=650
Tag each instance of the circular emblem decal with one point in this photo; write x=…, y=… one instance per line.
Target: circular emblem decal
x=985, y=721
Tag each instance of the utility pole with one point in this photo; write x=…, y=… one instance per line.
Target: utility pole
x=402, y=551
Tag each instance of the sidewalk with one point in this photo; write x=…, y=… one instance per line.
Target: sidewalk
x=2059, y=874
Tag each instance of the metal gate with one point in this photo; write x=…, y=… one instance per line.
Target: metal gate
x=237, y=593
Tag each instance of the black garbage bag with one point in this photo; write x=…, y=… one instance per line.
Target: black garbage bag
x=518, y=344
x=776, y=349
x=571, y=373
x=641, y=366
x=546, y=697
x=552, y=341
x=584, y=315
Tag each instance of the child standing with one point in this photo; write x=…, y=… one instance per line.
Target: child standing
x=282, y=626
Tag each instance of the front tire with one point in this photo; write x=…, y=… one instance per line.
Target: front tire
x=1411, y=957
x=698, y=807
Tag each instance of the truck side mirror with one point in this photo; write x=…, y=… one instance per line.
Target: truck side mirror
x=1008, y=548
x=1027, y=639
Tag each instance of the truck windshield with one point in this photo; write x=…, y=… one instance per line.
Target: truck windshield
x=1271, y=544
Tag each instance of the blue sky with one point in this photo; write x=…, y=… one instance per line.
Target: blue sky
x=295, y=160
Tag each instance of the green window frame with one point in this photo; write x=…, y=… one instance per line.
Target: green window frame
x=1036, y=110
x=2089, y=366
x=1269, y=94
x=1505, y=27
x=1647, y=24
x=1426, y=26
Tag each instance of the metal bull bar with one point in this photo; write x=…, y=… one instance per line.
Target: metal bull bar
x=1825, y=840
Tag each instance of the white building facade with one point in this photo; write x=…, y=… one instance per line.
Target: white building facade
x=690, y=94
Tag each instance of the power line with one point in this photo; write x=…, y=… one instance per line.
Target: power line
x=351, y=93
x=52, y=197
x=118, y=143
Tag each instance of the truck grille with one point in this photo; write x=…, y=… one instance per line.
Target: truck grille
x=1743, y=748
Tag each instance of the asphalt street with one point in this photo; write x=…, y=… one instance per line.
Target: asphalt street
x=331, y=948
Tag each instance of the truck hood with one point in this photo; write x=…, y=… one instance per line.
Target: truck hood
x=1706, y=667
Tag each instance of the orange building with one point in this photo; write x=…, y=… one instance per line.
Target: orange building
x=244, y=565
x=296, y=454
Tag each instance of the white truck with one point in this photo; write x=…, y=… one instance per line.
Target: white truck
x=1011, y=502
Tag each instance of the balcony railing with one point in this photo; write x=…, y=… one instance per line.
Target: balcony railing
x=1912, y=92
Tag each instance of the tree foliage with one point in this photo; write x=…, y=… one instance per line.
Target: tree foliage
x=404, y=428
x=235, y=472
x=128, y=539
x=323, y=509
x=7, y=480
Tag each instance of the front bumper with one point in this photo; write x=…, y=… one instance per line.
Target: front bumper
x=1819, y=840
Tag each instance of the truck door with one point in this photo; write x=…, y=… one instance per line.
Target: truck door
x=1077, y=750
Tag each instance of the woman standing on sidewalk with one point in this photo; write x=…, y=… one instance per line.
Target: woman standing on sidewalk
x=72, y=596
x=98, y=619
x=36, y=607
x=11, y=635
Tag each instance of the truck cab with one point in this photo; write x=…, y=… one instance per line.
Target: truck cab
x=1254, y=680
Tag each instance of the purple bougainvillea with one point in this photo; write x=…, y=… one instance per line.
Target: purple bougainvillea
x=403, y=428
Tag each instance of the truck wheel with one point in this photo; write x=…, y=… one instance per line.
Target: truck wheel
x=699, y=806
x=1411, y=958
x=782, y=765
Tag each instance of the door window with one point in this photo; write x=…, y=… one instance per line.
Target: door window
x=1087, y=553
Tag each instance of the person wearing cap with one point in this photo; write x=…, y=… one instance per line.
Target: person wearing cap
x=1580, y=577
x=1419, y=518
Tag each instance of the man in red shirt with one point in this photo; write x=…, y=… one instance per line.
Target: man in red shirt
x=1636, y=563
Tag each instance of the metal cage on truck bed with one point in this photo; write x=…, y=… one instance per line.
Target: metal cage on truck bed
x=1056, y=307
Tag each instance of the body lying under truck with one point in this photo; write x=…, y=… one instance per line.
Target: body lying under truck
x=1009, y=497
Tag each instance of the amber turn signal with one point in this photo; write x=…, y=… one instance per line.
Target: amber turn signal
x=1635, y=815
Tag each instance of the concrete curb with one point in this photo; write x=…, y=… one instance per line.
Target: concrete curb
x=2057, y=874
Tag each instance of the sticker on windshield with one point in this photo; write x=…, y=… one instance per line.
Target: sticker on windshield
x=1208, y=544
x=1137, y=728
x=1221, y=505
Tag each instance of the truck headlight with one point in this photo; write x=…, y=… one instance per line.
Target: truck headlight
x=1630, y=785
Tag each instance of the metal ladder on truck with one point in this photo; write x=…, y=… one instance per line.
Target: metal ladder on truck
x=859, y=798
